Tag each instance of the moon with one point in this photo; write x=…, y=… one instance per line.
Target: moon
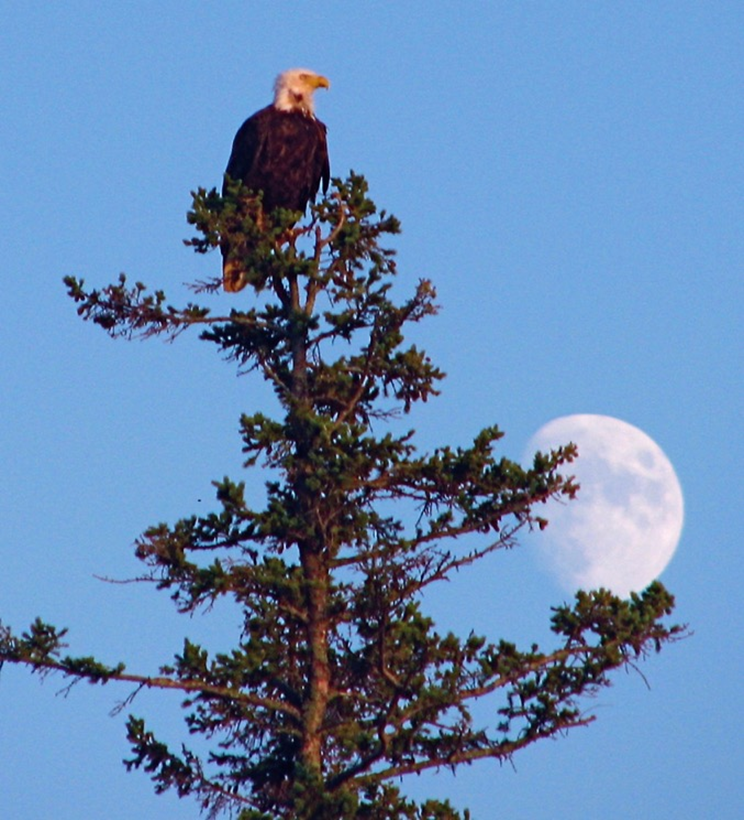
x=623, y=527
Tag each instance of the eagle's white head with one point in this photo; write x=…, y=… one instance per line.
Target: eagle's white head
x=294, y=89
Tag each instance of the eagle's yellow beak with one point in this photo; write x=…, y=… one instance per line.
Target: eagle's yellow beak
x=320, y=82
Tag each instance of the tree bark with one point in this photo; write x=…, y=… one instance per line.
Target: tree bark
x=316, y=580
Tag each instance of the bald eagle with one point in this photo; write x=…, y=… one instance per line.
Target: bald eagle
x=282, y=151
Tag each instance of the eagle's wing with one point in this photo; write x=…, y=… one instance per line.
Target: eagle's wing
x=247, y=147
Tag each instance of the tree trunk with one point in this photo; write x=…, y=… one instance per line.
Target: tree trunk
x=316, y=580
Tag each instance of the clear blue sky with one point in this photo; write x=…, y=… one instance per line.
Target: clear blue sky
x=570, y=175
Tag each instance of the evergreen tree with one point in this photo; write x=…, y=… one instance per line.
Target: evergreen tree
x=338, y=683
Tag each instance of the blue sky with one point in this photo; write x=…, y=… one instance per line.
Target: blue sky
x=569, y=175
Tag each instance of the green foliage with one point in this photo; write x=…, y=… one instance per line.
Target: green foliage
x=338, y=683
x=41, y=648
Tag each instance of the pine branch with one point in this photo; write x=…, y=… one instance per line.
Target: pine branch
x=40, y=650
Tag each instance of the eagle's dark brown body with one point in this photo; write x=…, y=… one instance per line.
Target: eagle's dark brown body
x=284, y=154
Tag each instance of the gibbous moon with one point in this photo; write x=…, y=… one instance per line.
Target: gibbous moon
x=624, y=525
